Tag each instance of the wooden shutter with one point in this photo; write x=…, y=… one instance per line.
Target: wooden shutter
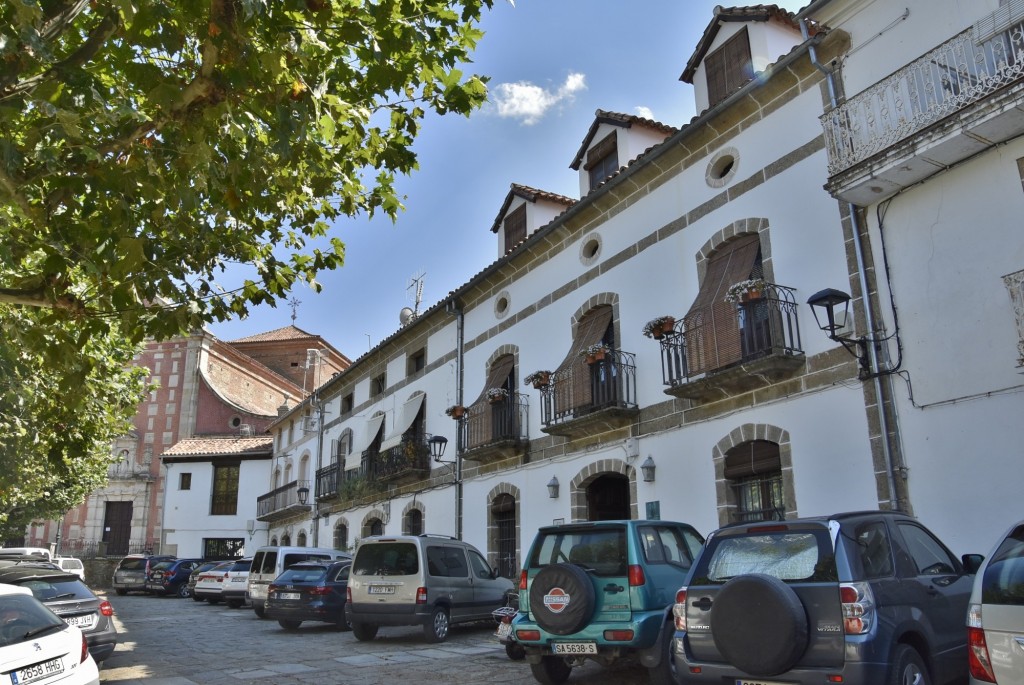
x=515, y=227
x=597, y=154
x=728, y=67
x=711, y=326
x=479, y=421
x=572, y=378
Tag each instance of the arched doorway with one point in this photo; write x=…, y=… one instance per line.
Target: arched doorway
x=608, y=498
x=503, y=515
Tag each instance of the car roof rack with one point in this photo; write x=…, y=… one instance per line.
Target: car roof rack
x=436, y=535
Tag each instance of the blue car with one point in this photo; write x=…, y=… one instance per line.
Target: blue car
x=170, y=576
x=310, y=591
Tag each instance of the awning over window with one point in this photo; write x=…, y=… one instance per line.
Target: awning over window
x=752, y=459
x=406, y=416
x=496, y=377
x=372, y=429
x=711, y=326
x=572, y=386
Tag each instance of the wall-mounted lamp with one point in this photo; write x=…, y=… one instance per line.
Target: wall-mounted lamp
x=553, y=488
x=834, y=306
x=647, y=468
x=303, y=494
x=438, y=443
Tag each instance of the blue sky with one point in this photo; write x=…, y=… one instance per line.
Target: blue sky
x=552, y=63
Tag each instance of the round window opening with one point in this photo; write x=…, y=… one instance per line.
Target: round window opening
x=502, y=305
x=590, y=250
x=502, y=302
x=722, y=167
x=236, y=422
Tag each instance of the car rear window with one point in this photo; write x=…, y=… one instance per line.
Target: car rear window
x=71, y=564
x=132, y=565
x=242, y=565
x=303, y=574
x=600, y=550
x=787, y=555
x=386, y=558
x=1003, y=582
x=50, y=589
x=161, y=566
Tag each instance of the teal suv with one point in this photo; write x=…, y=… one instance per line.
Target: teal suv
x=603, y=591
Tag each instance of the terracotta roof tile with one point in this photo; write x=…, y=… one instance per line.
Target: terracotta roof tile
x=530, y=195
x=283, y=333
x=221, y=446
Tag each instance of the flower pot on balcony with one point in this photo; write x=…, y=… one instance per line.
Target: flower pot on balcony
x=750, y=296
x=594, y=357
x=541, y=380
x=667, y=326
x=495, y=400
x=456, y=412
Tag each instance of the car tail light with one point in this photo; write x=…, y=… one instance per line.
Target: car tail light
x=528, y=635
x=636, y=576
x=106, y=609
x=85, y=650
x=318, y=590
x=421, y=595
x=522, y=579
x=679, y=609
x=977, y=649
x=858, y=607
x=618, y=635
x=271, y=588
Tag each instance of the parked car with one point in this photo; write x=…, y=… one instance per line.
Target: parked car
x=71, y=565
x=428, y=580
x=210, y=584
x=38, y=647
x=193, y=577
x=310, y=591
x=21, y=551
x=995, y=617
x=236, y=583
x=68, y=597
x=863, y=597
x=131, y=572
x=602, y=590
x=170, y=576
x=270, y=561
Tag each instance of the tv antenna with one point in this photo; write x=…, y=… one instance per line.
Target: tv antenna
x=409, y=314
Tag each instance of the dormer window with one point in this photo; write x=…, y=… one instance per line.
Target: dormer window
x=602, y=160
x=515, y=227
x=728, y=67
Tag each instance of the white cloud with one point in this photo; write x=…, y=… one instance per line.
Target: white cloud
x=645, y=112
x=529, y=103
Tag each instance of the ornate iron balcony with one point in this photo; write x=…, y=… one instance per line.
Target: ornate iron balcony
x=495, y=429
x=410, y=458
x=579, y=393
x=281, y=502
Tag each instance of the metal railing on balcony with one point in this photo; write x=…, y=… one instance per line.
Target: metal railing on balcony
x=409, y=457
x=280, y=499
x=958, y=73
x=728, y=334
x=583, y=388
x=331, y=480
x=487, y=423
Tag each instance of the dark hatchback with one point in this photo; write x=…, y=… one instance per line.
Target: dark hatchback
x=170, y=576
x=66, y=595
x=309, y=591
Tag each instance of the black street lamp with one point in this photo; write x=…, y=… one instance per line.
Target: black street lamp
x=303, y=493
x=438, y=443
x=835, y=308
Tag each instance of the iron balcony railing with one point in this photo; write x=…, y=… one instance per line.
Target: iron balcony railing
x=331, y=480
x=723, y=335
x=487, y=423
x=958, y=73
x=583, y=388
x=411, y=456
x=280, y=499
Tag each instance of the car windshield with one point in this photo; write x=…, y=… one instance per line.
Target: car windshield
x=22, y=618
x=786, y=555
x=1003, y=582
x=387, y=559
x=600, y=550
x=303, y=574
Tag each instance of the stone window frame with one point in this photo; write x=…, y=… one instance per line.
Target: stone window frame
x=342, y=521
x=725, y=494
x=503, y=488
x=588, y=474
x=414, y=506
x=374, y=513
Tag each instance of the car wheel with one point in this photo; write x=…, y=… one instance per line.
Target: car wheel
x=260, y=611
x=665, y=672
x=908, y=668
x=364, y=632
x=515, y=651
x=759, y=624
x=183, y=591
x=436, y=629
x=235, y=603
x=122, y=592
x=552, y=670
x=559, y=581
x=289, y=625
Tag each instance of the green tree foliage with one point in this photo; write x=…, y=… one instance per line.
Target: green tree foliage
x=147, y=146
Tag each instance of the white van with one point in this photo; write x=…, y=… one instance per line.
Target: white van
x=27, y=551
x=269, y=562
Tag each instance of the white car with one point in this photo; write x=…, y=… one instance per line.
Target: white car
x=210, y=585
x=995, y=616
x=37, y=647
x=71, y=565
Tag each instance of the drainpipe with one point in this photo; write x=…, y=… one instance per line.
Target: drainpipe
x=869, y=314
x=452, y=307
x=319, y=406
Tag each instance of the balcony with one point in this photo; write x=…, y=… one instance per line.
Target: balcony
x=584, y=399
x=333, y=482
x=729, y=349
x=495, y=431
x=407, y=461
x=960, y=98
x=281, y=503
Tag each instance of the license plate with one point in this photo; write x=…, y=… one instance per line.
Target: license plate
x=289, y=595
x=381, y=590
x=574, y=648
x=37, y=672
x=744, y=681
x=238, y=580
x=84, y=621
x=504, y=630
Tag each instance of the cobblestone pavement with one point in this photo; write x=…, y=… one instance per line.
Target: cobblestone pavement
x=170, y=641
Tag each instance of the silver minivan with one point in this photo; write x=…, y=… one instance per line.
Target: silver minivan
x=428, y=580
x=269, y=562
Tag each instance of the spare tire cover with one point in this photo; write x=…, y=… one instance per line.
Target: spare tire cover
x=759, y=624
x=562, y=598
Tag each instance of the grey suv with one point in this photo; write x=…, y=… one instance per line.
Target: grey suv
x=860, y=598
x=428, y=580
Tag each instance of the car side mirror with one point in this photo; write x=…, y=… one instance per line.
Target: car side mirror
x=972, y=562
